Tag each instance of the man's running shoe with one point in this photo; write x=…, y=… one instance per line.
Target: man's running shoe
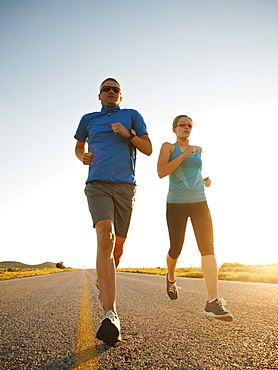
x=172, y=289
x=109, y=330
x=216, y=310
x=99, y=295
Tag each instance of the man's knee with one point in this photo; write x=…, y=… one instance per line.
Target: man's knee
x=105, y=233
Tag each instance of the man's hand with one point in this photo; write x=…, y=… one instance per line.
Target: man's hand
x=207, y=182
x=87, y=158
x=118, y=128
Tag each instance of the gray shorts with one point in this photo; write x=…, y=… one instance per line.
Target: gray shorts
x=112, y=201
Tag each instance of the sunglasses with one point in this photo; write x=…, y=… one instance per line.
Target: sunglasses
x=115, y=89
x=184, y=124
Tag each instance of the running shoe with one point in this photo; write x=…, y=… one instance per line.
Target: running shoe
x=109, y=331
x=99, y=295
x=216, y=310
x=172, y=289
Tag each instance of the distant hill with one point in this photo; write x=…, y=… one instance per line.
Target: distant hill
x=20, y=265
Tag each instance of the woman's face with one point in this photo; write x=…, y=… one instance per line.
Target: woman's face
x=183, y=127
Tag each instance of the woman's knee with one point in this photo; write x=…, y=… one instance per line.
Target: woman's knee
x=174, y=254
x=207, y=251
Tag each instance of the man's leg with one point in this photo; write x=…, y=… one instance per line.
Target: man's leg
x=109, y=331
x=105, y=263
x=118, y=250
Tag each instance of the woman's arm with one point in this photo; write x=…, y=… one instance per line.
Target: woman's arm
x=164, y=167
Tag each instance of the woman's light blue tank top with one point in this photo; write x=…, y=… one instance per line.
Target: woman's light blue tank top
x=186, y=182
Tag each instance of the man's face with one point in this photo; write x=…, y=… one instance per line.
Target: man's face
x=108, y=96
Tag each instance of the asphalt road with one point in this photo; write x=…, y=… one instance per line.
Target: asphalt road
x=49, y=322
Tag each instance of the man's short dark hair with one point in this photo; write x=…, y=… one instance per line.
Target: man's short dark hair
x=108, y=79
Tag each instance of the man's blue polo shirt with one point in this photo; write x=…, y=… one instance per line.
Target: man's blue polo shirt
x=114, y=155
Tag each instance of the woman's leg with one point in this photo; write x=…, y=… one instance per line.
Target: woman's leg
x=176, y=221
x=210, y=272
x=171, y=265
x=202, y=225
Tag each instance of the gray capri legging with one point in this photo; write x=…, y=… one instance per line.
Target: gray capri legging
x=177, y=216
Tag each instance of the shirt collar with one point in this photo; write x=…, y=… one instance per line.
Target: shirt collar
x=105, y=108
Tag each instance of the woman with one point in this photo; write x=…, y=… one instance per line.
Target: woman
x=186, y=198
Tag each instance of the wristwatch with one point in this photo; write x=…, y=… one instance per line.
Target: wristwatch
x=132, y=134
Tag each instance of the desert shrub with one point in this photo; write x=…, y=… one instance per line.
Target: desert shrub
x=60, y=265
x=231, y=265
x=13, y=269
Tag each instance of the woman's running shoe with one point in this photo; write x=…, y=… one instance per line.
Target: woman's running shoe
x=172, y=289
x=216, y=310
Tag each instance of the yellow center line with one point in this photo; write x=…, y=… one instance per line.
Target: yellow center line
x=85, y=351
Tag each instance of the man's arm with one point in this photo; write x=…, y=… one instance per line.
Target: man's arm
x=80, y=152
x=142, y=142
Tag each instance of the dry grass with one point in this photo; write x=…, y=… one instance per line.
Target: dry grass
x=6, y=273
x=228, y=271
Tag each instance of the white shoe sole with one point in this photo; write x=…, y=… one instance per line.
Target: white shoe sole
x=108, y=332
x=227, y=317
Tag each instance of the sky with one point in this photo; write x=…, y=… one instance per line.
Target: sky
x=215, y=61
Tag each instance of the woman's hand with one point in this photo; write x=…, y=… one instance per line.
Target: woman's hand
x=207, y=182
x=190, y=149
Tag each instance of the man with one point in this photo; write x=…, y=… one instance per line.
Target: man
x=112, y=136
